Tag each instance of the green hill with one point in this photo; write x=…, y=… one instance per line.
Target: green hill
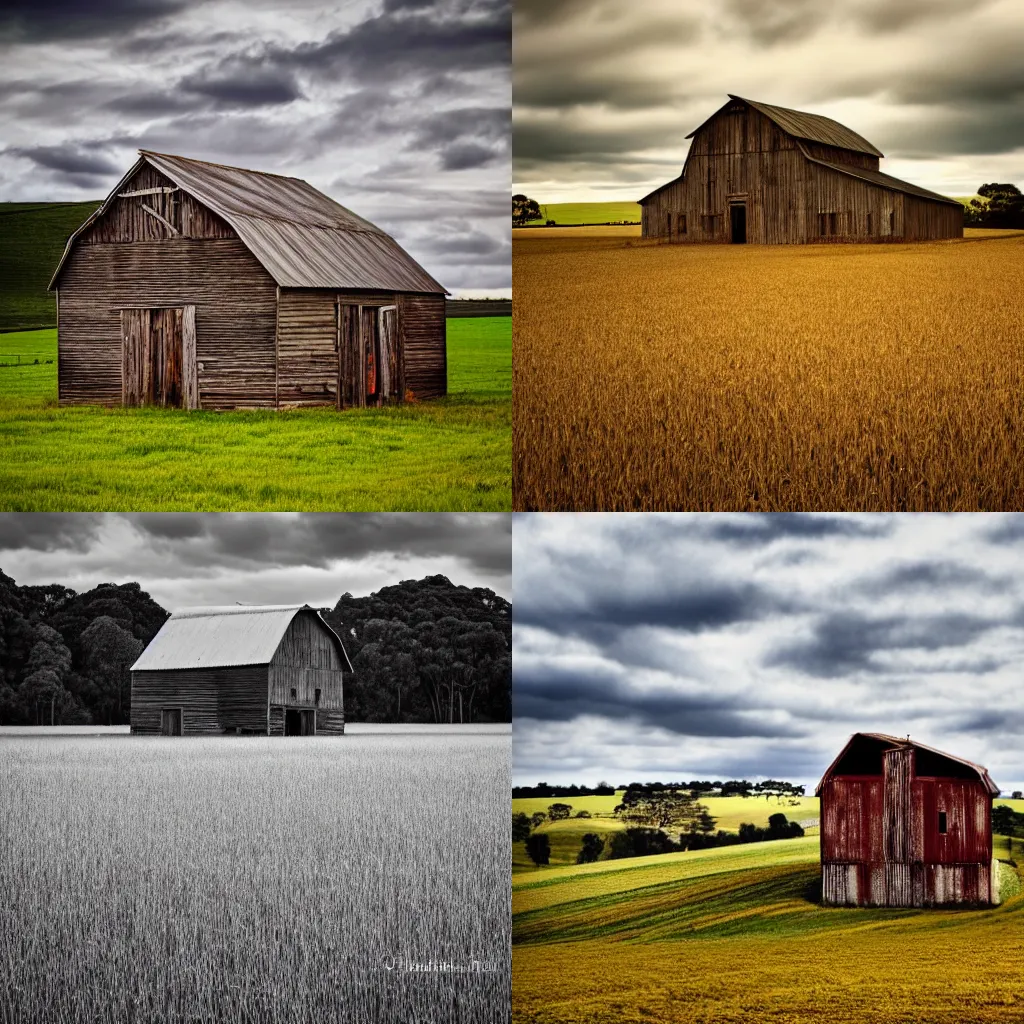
x=737, y=934
x=32, y=237
x=589, y=213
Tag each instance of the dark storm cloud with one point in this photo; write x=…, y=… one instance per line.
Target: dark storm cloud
x=561, y=695
x=930, y=577
x=48, y=531
x=240, y=84
x=69, y=160
x=405, y=41
x=847, y=642
x=759, y=528
x=317, y=539
x=768, y=22
x=43, y=20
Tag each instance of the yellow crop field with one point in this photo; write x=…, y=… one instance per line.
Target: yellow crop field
x=764, y=378
x=737, y=935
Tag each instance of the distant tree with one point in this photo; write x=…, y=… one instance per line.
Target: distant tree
x=639, y=842
x=1017, y=795
x=559, y=812
x=524, y=210
x=538, y=846
x=582, y=814
x=108, y=653
x=592, y=848
x=538, y=818
x=521, y=827
x=659, y=809
x=705, y=822
x=1004, y=207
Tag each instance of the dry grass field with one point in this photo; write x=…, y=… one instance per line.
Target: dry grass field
x=253, y=879
x=747, y=378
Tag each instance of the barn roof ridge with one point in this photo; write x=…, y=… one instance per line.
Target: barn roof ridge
x=901, y=741
x=224, y=636
x=301, y=236
x=814, y=127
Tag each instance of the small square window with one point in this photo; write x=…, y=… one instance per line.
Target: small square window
x=942, y=823
x=293, y=693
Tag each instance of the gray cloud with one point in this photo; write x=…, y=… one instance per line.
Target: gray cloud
x=42, y=20
x=48, y=531
x=719, y=642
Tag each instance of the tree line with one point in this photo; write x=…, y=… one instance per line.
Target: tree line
x=1004, y=209
x=650, y=816
x=423, y=651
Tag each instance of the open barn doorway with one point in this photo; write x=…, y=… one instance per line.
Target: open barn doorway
x=738, y=222
x=158, y=357
x=369, y=356
x=299, y=722
x=170, y=722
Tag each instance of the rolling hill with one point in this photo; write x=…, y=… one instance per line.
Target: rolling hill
x=32, y=237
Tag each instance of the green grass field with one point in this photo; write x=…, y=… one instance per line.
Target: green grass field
x=588, y=213
x=566, y=836
x=453, y=454
x=736, y=934
x=32, y=237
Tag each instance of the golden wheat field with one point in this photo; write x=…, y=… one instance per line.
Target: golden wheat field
x=757, y=378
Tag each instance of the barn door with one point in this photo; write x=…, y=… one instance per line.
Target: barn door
x=370, y=365
x=308, y=723
x=738, y=223
x=158, y=360
x=170, y=722
x=390, y=356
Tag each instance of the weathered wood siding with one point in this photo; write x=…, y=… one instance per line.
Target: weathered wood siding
x=308, y=660
x=307, y=348
x=421, y=324
x=213, y=701
x=742, y=157
x=127, y=221
x=235, y=302
x=881, y=843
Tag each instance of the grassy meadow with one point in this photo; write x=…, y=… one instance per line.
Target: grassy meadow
x=450, y=454
x=255, y=879
x=589, y=213
x=768, y=378
x=735, y=934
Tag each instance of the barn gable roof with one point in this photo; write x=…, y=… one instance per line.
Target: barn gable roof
x=887, y=742
x=801, y=125
x=303, y=238
x=222, y=637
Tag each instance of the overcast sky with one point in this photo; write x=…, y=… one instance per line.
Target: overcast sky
x=715, y=645
x=397, y=109
x=605, y=92
x=192, y=559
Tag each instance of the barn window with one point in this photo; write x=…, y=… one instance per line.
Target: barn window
x=869, y=224
x=293, y=693
x=823, y=224
x=832, y=224
x=668, y=224
x=892, y=222
x=942, y=822
x=316, y=696
x=682, y=223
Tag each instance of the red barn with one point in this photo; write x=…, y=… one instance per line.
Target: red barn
x=903, y=825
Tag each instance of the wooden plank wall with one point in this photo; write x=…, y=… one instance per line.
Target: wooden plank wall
x=306, y=659
x=235, y=301
x=746, y=158
x=213, y=700
x=126, y=221
x=421, y=324
x=307, y=348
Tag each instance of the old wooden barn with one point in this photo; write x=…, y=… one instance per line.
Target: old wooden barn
x=759, y=173
x=275, y=670
x=903, y=825
x=211, y=287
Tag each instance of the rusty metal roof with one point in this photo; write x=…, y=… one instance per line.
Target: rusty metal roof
x=885, y=180
x=303, y=238
x=222, y=637
x=906, y=741
x=801, y=125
